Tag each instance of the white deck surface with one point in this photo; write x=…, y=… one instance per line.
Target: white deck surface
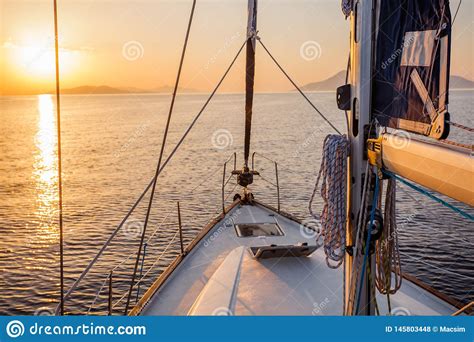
x=277, y=286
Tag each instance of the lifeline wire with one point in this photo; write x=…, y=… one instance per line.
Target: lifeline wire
x=163, y=144
x=367, y=243
x=147, y=188
x=428, y=194
x=60, y=180
x=298, y=88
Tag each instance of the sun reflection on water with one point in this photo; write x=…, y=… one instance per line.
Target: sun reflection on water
x=45, y=171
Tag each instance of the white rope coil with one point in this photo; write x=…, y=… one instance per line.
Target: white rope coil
x=333, y=177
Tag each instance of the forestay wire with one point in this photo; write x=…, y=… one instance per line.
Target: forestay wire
x=298, y=88
x=163, y=144
x=147, y=188
x=60, y=180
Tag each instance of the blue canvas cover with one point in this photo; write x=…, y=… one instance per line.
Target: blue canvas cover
x=412, y=52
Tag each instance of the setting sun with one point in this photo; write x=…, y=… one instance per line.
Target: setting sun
x=36, y=60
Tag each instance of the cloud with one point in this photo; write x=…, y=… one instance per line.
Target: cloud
x=46, y=45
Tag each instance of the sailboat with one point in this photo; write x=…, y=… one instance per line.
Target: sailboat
x=255, y=259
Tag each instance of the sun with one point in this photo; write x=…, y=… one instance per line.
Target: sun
x=38, y=61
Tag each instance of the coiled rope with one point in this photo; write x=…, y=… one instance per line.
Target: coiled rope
x=333, y=178
x=387, y=253
x=388, y=273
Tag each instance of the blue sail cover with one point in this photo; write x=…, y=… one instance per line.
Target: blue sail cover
x=411, y=71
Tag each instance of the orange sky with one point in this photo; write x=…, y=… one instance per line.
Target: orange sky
x=98, y=40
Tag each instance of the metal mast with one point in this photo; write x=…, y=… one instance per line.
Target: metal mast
x=361, y=46
x=250, y=74
x=245, y=176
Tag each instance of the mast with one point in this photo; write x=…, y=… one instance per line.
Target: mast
x=361, y=47
x=245, y=176
x=250, y=74
x=60, y=181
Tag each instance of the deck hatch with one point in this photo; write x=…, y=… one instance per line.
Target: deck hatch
x=258, y=229
x=274, y=251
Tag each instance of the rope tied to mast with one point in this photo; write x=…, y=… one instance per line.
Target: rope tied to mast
x=333, y=177
x=387, y=252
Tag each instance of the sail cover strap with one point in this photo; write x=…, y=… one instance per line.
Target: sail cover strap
x=411, y=74
x=250, y=74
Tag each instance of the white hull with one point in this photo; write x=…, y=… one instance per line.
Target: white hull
x=219, y=276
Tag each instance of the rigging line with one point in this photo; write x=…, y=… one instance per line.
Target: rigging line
x=348, y=69
x=149, y=269
x=163, y=144
x=456, y=14
x=106, y=244
x=437, y=267
x=60, y=181
x=406, y=192
x=356, y=262
x=140, y=198
x=433, y=58
x=454, y=143
x=91, y=307
x=455, y=124
x=430, y=195
x=367, y=243
x=148, y=242
x=166, y=248
x=298, y=88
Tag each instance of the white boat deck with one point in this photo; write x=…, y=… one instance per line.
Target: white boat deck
x=221, y=277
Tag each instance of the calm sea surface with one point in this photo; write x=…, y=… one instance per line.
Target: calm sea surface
x=110, y=149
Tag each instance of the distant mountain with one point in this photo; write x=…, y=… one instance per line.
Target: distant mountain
x=84, y=90
x=169, y=89
x=330, y=84
x=458, y=82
